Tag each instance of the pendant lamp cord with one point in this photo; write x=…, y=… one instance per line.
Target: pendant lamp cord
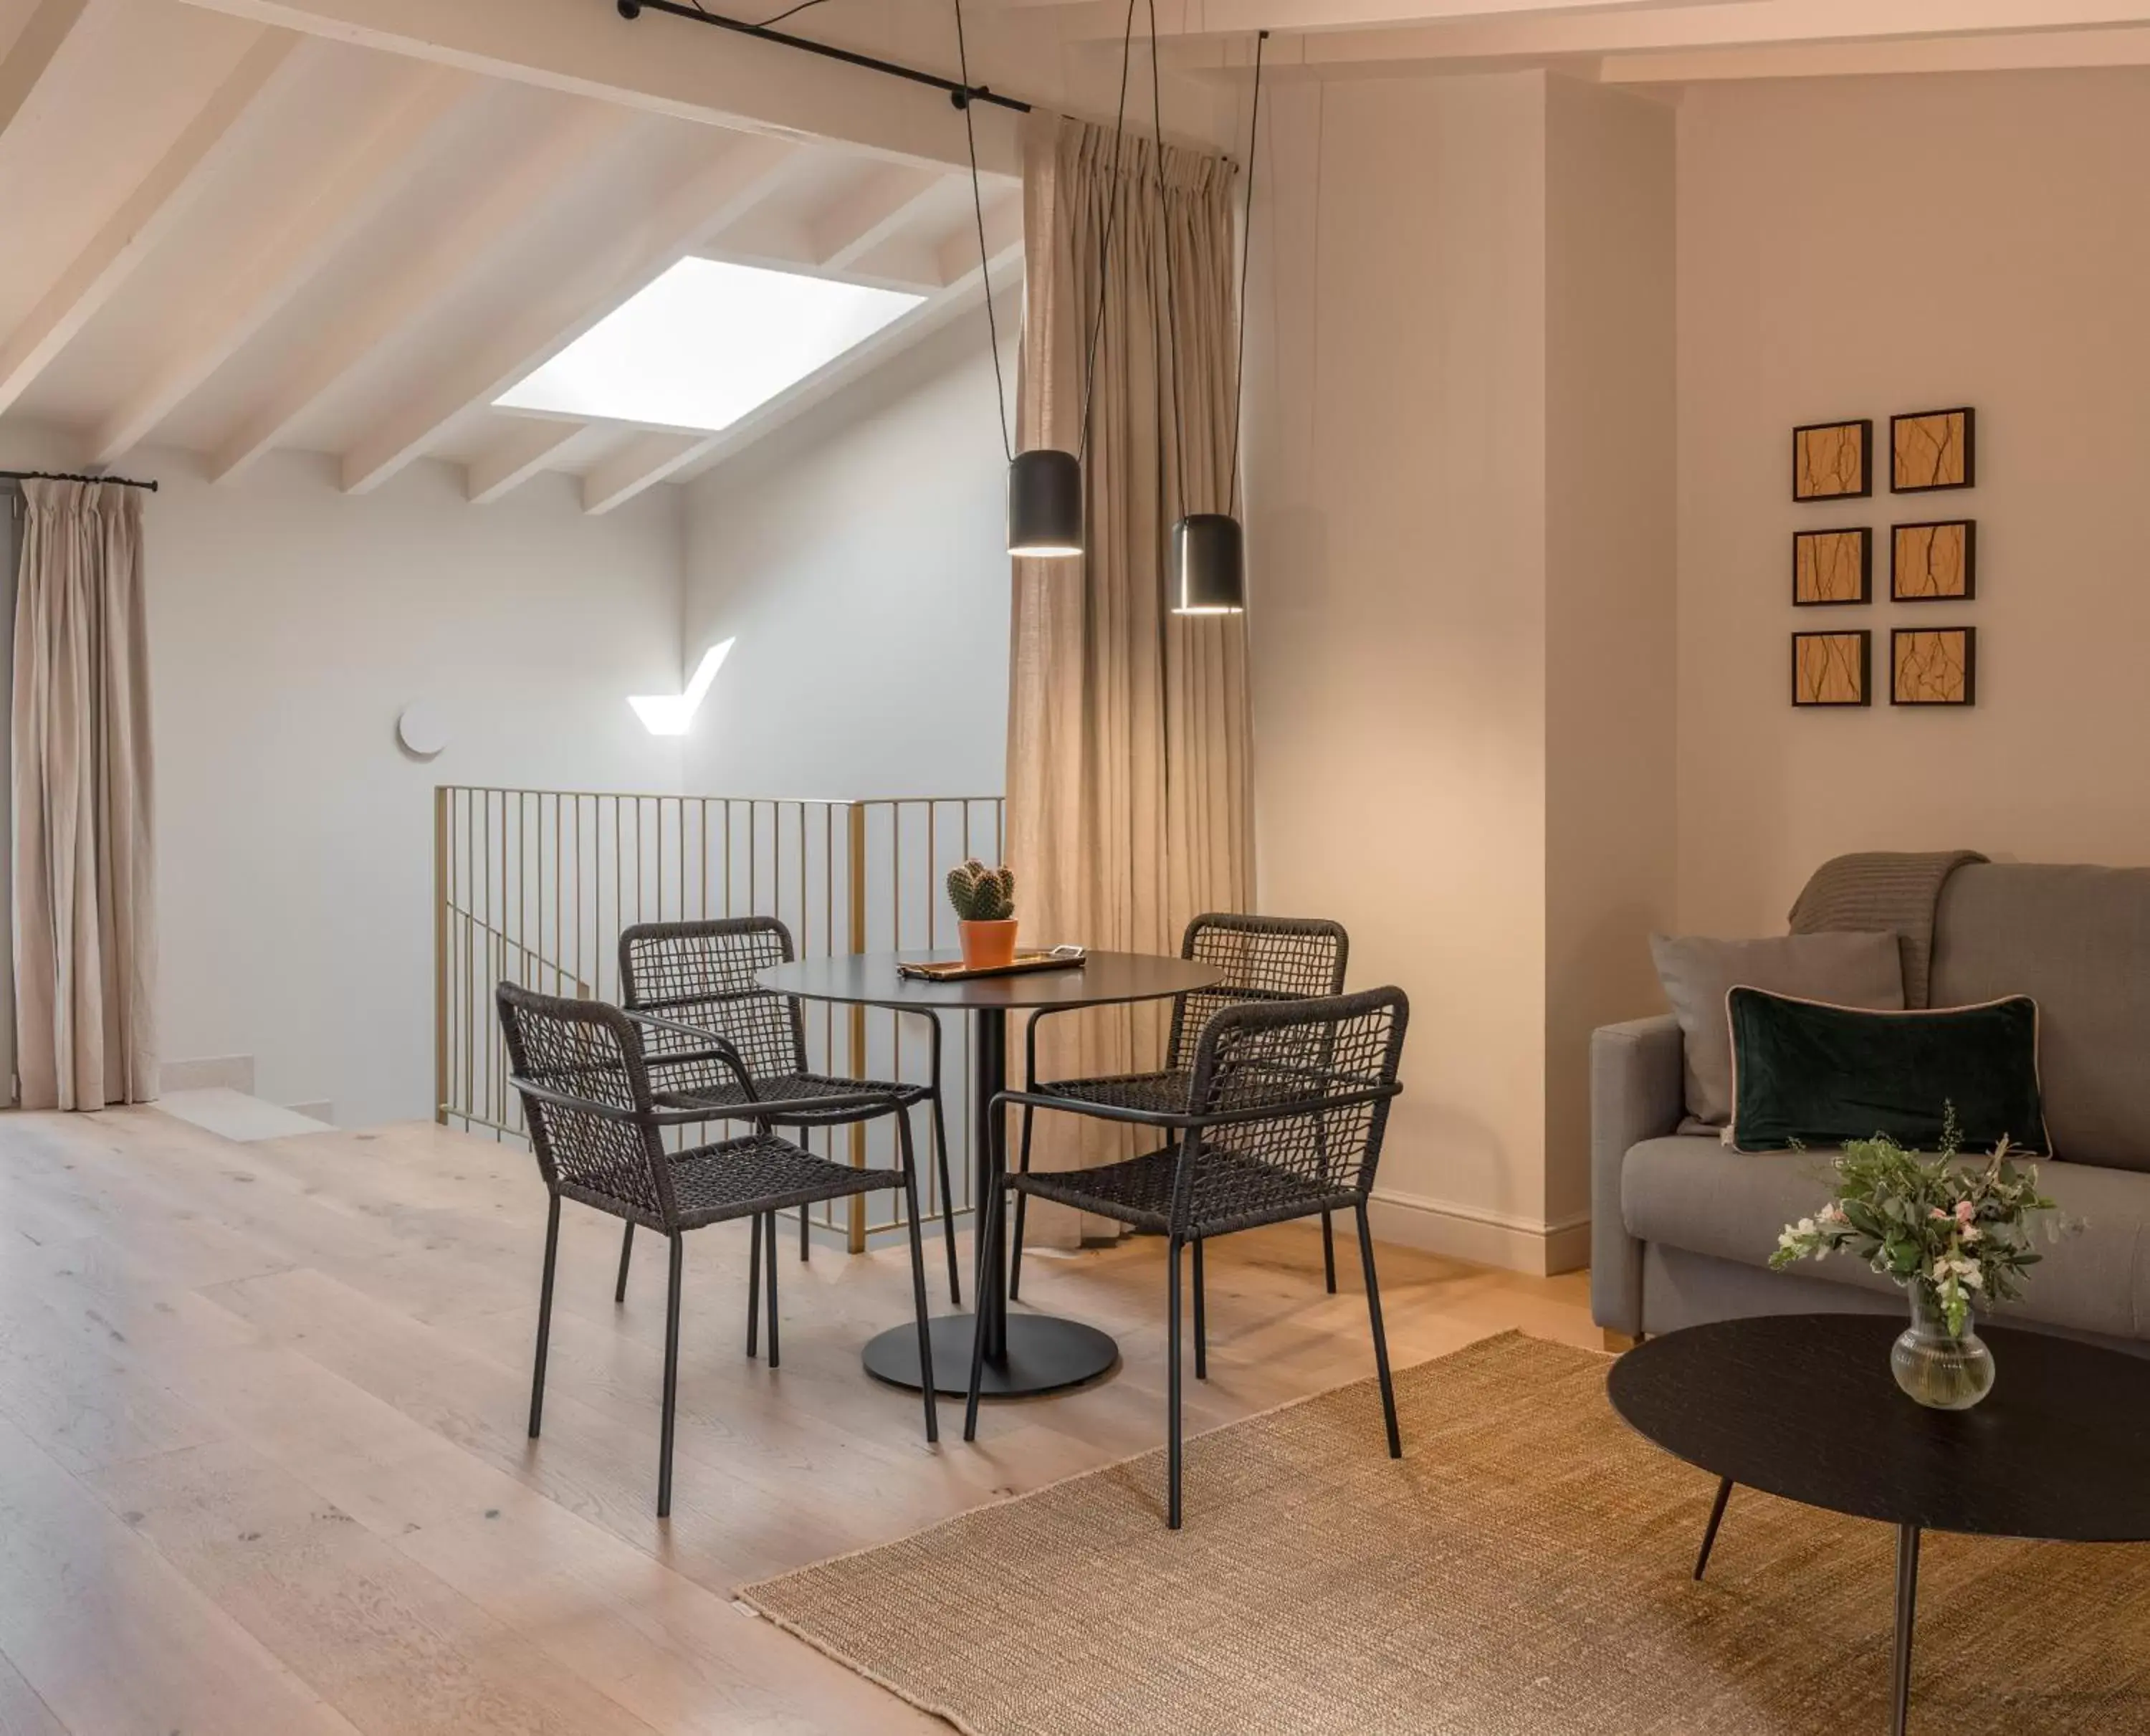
x=985, y=267
x=1105, y=246
x=1246, y=253
x=1164, y=238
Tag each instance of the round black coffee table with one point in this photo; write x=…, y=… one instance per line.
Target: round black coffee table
x=1025, y=1353
x=1804, y=1406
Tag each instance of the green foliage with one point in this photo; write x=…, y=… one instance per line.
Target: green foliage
x=980, y=893
x=1956, y=1231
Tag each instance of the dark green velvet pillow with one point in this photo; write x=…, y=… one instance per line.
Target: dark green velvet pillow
x=1806, y=1073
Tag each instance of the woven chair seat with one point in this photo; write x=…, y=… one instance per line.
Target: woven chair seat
x=1232, y=1191
x=1163, y=1093
x=762, y=1173
x=789, y=1089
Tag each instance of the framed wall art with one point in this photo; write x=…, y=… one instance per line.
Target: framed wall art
x=1832, y=668
x=1833, y=461
x=1934, y=562
x=1832, y=566
x=1933, y=666
x=1932, y=449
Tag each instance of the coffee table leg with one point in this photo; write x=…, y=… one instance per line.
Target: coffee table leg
x=1907, y=1603
x=1716, y=1519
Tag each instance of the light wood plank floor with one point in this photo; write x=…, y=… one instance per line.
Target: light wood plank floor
x=263, y=1467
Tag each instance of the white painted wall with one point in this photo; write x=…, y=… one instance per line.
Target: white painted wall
x=289, y=624
x=1860, y=247
x=858, y=556
x=1449, y=324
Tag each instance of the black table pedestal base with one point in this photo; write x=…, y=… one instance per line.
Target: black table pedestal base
x=1045, y=1353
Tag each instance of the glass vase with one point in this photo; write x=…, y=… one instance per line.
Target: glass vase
x=1941, y=1369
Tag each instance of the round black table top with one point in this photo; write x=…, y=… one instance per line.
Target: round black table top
x=1804, y=1406
x=870, y=979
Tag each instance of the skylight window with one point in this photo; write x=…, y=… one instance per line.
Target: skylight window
x=705, y=343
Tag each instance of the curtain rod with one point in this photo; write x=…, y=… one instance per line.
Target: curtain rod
x=961, y=95
x=69, y=476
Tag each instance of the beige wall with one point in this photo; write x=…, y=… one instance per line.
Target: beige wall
x=1427, y=251
x=1863, y=246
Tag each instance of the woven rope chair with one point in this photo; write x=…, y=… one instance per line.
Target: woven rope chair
x=1285, y=1106
x=597, y=1130
x=698, y=978
x=1264, y=959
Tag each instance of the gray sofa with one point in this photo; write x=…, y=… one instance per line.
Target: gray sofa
x=1682, y=1225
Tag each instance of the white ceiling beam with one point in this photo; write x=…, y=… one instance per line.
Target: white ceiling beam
x=879, y=208
x=516, y=457
x=30, y=57
x=508, y=201
x=747, y=170
x=672, y=66
x=144, y=218
x=657, y=457
x=2022, y=51
x=1095, y=20
x=351, y=192
x=640, y=464
x=1362, y=31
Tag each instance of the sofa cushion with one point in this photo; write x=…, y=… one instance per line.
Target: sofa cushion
x=1693, y=1192
x=2077, y=941
x=1805, y=1074
x=1846, y=968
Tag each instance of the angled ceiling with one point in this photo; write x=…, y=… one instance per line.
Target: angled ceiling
x=232, y=235
x=347, y=226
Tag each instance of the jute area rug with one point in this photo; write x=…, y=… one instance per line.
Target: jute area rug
x=1522, y=1571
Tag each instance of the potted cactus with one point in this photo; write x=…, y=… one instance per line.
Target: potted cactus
x=985, y=914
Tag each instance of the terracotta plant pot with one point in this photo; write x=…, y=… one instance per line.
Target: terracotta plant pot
x=988, y=946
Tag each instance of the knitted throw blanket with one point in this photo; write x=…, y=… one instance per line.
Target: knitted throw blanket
x=1876, y=890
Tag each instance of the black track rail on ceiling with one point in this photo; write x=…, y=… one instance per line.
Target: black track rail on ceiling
x=961, y=95
x=70, y=476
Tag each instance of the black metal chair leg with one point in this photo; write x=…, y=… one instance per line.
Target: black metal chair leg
x=626, y=1252
x=918, y=1283
x=1709, y=1531
x=753, y=1287
x=1381, y=1338
x=947, y=1196
x=805, y=1238
x=671, y=1379
x=544, y=1315
x=1015, y=1257
x=770, y=1277
x=1328, y=1250
x=989, y=1210
x=1201, y=1318
x=1172, y=1444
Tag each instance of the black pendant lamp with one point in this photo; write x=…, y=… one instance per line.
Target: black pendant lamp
x=1208, y=570
x=1045, y=503
x=1045, y=496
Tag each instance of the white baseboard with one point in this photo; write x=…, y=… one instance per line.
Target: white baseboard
x=1484, y=1236
x=211, y=1072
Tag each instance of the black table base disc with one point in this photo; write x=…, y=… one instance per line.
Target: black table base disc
x=1045, y=1353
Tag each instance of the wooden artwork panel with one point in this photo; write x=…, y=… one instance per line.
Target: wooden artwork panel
x=1934, y=562
x=1931, y=449
x=1832, y=566
x=1830, y=461
x=1934, y=666
x=1830, y=668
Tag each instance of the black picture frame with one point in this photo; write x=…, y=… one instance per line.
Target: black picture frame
x=1969, y=591
x=1970, y=451
x=1865, y=638
x=1970, y=667
x=1864, y=532
x=1865, y=424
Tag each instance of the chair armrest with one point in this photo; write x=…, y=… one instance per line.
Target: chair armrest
x=718, y=1047
x=1188, y=1120
x=1638, y=1091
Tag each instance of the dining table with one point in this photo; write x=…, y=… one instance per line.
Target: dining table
x=1025, y=1353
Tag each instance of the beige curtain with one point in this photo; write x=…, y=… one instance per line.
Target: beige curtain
x=1128, y=804
x=84, y=918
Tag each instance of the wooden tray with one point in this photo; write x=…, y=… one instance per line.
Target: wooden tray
x=956, y=972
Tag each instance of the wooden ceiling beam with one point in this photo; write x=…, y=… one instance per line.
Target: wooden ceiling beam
x=31, y=57
x=516, y=457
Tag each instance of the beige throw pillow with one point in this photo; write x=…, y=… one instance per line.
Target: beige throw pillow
x=1849, y=969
